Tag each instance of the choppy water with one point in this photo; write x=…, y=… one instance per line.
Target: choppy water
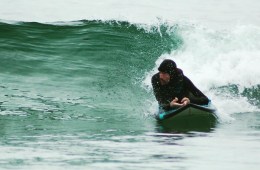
x=77, y=95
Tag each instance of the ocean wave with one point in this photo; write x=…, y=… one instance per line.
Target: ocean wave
x=114, y=61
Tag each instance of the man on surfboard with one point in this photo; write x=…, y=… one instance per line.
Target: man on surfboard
x=173, y=89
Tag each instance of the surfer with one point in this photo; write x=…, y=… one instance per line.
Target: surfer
x=173, y=89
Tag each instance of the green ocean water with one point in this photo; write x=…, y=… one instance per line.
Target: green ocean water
x=72, y=97
x=93, y=65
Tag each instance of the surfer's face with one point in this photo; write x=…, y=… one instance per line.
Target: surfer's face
x=164, y=78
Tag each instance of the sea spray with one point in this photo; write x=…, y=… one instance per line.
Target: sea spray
x=218, y=60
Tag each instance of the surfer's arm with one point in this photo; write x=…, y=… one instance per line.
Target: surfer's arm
x=164, y=104
x=194, y=94
x=158, y=95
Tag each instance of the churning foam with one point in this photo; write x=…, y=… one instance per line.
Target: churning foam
x=213, y=59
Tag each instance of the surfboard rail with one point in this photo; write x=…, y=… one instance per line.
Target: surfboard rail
x=202, y=109
x=191, y=117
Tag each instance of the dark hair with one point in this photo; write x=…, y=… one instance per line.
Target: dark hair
x=168, y=66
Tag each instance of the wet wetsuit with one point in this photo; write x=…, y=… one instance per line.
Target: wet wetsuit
x=179, y=86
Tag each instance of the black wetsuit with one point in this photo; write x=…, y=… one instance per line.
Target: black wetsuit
x=179, y=86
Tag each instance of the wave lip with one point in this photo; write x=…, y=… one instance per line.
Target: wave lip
x=222, y=63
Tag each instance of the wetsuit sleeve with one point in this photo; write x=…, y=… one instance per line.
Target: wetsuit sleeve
x=194, y=94
x=158, y=95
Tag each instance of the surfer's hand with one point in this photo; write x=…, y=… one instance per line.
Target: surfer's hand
x=174, y=103
x=175, y=100
x=185, y=101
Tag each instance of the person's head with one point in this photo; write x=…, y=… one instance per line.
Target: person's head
x=167, y=69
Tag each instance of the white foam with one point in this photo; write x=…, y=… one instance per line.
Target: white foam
x=213, y=59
